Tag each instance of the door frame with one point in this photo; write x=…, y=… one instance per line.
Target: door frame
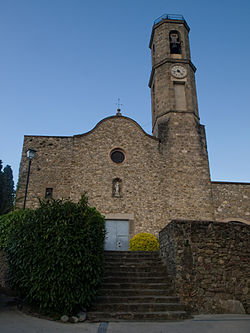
x=123, y=216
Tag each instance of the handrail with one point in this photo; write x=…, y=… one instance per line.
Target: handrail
x=169, y=17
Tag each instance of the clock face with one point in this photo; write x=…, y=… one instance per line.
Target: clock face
x=178, y=71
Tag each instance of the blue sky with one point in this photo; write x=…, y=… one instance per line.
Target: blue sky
x=64, y=64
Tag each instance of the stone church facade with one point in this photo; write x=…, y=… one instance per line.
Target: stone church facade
x=133, y=177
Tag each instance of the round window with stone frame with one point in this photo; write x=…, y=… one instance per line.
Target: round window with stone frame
x=117, y=155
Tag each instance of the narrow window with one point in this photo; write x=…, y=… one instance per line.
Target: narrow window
x=180, y=96
x=153, y=99
x=48, y=193
x=175, y=42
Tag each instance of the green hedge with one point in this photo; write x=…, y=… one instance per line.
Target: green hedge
x=7, y=222
x=55, y=255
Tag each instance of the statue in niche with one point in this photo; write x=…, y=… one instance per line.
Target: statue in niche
x=117, y=188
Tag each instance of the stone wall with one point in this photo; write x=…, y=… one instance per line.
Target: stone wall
x=82, y=163
x=231, y=201
x=51, y=168
x=187, y=179
x=160, y=180
x=209, y=264
x=140, y=173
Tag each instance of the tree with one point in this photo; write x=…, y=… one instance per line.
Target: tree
x=1, y=187
x=55, y=254
x=9, y=189
x=6, y=189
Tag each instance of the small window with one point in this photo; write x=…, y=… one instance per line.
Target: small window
x=117, y=156
x=49, y=193
x=175, y=42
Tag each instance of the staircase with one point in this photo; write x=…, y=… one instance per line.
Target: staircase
x=136, y=287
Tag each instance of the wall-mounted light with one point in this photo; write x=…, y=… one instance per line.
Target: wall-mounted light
x=30, y=153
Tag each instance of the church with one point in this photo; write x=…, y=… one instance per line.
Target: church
x=140, y=182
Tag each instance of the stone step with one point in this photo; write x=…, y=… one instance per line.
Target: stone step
x=135, y=279
x=133, y=263
x=137, y=307
x=132, y=256
x=135, y=292
x=136, y=269
x=122, y=254
x=136, y=274
x=138, y=316
x=135, y=285
x=138, y=258
x=137, y=299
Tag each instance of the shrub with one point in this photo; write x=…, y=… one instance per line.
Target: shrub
x=144, y=242
x=55, y=255
x=8, y=221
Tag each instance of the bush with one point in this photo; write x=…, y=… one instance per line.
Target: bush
x=55, y=255
x=8, y=221
x=144, y=242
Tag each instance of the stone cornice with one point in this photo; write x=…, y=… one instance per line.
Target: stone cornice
x=176, y=111
x=172, y=61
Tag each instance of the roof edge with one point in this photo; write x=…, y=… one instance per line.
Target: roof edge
x=232, y=183
x=48, y=136
x=117, y=117
x=96, y=126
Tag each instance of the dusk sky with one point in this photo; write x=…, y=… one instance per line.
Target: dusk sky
x=64, y=64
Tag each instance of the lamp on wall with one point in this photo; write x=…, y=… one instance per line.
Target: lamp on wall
x=30, y=153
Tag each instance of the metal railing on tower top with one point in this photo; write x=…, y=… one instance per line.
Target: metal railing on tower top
x=169, y=17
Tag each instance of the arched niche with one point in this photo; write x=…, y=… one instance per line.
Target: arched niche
x=175, y=42
x=117, y=187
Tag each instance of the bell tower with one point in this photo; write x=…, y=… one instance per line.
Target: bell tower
x=175, y=121
x=172, y=79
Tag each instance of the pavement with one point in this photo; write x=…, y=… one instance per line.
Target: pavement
x=15, y=321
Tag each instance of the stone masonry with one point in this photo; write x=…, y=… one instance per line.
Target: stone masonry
x=231, y=201
x=74, y=165
x=209, y=264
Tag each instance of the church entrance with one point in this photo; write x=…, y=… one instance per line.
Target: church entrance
x=117, y=235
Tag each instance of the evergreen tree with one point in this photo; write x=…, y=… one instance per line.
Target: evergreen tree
x=7, y=192
x=1, y=187
x=9, y=189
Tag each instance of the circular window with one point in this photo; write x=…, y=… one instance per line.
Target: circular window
x=117, y=156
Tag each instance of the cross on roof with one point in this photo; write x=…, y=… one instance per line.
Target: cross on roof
x=118, y=108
